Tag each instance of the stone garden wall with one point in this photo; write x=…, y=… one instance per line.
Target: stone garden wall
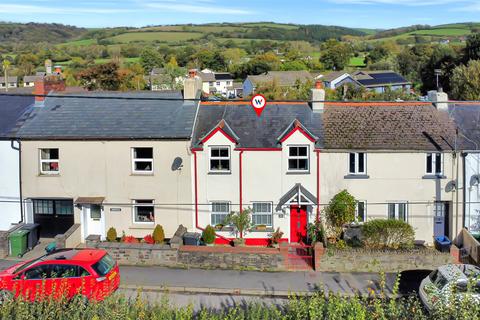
x=364, y=260
x=218, y=257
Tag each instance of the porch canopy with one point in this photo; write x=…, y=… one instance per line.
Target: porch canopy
x=298, y=195
x=90, y=200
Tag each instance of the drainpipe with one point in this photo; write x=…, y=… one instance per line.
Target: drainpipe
x=464, y=175
x=19, y=149
x=196, y=195
x=240, y=184
x=318, y=184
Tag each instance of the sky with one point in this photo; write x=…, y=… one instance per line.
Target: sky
x=381, y=14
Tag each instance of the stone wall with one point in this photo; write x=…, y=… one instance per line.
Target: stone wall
x=69, y=239
x=364, y=260
x=218, y=257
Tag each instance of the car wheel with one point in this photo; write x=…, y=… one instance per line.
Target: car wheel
x=5, y=295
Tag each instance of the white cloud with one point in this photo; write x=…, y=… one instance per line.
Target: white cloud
x=403, y=2
x=29, y=9
x=198, y=6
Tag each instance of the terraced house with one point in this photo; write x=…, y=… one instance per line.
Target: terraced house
x=119, y=160
x=397, y=160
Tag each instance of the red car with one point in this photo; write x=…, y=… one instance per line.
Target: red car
x=88, y=273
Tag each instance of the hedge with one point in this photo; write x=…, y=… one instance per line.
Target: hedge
x=388, y=233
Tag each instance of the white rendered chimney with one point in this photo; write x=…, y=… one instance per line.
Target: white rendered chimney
x=439, y=99
x=318, y=94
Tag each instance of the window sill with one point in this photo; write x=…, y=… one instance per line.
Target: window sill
x=219, y=172
x=141, y=174
x=356, y=176
x=297, y=172
x=268, y=229
x=48, y=175
x=224, y=229
x=434, y=176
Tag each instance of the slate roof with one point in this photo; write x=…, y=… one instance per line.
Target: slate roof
x=108, y=117
x=387, y=127
x=31, y=78
x=207, y=76
x=467, y=119
x=379, y=78
x=12, y=109
x=10, y=79
x=253, y=131
x=223, y=76
x=333, y=75
x=283, y=78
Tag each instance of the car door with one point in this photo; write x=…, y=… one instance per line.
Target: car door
x=35, y=283
x=67, y=281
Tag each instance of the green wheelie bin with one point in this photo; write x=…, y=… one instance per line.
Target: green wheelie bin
x=18, y=242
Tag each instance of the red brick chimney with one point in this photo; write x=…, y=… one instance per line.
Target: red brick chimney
x=45, y=85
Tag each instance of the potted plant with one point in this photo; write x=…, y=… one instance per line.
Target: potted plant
x=275, y=238
x=208, y=235
x=241, y=222
x=219, y=227
x=261, y=227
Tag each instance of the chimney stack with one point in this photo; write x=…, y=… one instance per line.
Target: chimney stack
x=48, y=67
x=192, y=85
x=318, y=94
x=44, y=85
x=439, y=99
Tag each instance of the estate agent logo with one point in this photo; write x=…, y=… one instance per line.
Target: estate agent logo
x=258, y=103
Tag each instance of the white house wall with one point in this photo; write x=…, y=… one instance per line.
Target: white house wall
x=472, y=193
x=264, y=179
x=9, y=186
x=392, y=177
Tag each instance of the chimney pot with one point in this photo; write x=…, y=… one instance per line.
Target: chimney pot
x=318, y=97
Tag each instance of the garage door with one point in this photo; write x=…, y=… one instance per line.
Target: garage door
x=55, y=216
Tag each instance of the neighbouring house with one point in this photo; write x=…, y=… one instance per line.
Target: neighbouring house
x=467, y=117
x=217, y=83
x=122, y=160
x=282, y=78
x=397, y=160
x=12, y=82
x=29, y=81
x=379, y=81
x=12, y=112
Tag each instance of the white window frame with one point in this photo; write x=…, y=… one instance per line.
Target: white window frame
x=364, y=211
x=434, y=163
x=356, y=164
x=135, y=205
x=220, y=158
x=307, y=157
x=42, y=161
x=218, y=83
x=396, y=211
x=218, y=212
x=134, y=160
x=264, y=213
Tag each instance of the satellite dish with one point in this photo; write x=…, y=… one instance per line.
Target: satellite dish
x=177, y=164
x=475, y=180
x=451, y=186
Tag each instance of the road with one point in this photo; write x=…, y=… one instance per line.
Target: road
x=224, y=288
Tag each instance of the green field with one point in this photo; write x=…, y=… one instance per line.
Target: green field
x=443, y=32
x=83, y=42
x=155, y=36
x=204, y=29
x=357, y=62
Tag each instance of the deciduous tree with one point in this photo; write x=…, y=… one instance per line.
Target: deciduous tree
x=466, y=81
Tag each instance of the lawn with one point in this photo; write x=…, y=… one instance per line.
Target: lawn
x=155, y=36
x=357, y=61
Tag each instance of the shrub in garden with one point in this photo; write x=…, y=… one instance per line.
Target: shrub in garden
x=340, y=210
x=241, y=221
x=208, y=235
x=158, y=234
x=388, y=233
x=148, y=239
x=112, y=235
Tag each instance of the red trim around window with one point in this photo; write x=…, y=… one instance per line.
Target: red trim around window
x=309, y=137
x=211, y=134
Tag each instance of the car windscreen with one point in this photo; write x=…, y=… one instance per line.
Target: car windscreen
x=104, y=265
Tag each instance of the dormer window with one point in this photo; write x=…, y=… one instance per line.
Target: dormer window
x=220, y=159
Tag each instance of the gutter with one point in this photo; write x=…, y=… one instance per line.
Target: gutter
x=19, y=149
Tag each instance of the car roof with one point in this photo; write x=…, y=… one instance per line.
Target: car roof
x=77, y=255
x=458, y=271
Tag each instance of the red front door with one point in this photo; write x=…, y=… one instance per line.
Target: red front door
x=298, y=223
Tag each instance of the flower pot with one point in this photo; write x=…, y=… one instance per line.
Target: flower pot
x=238, y=242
